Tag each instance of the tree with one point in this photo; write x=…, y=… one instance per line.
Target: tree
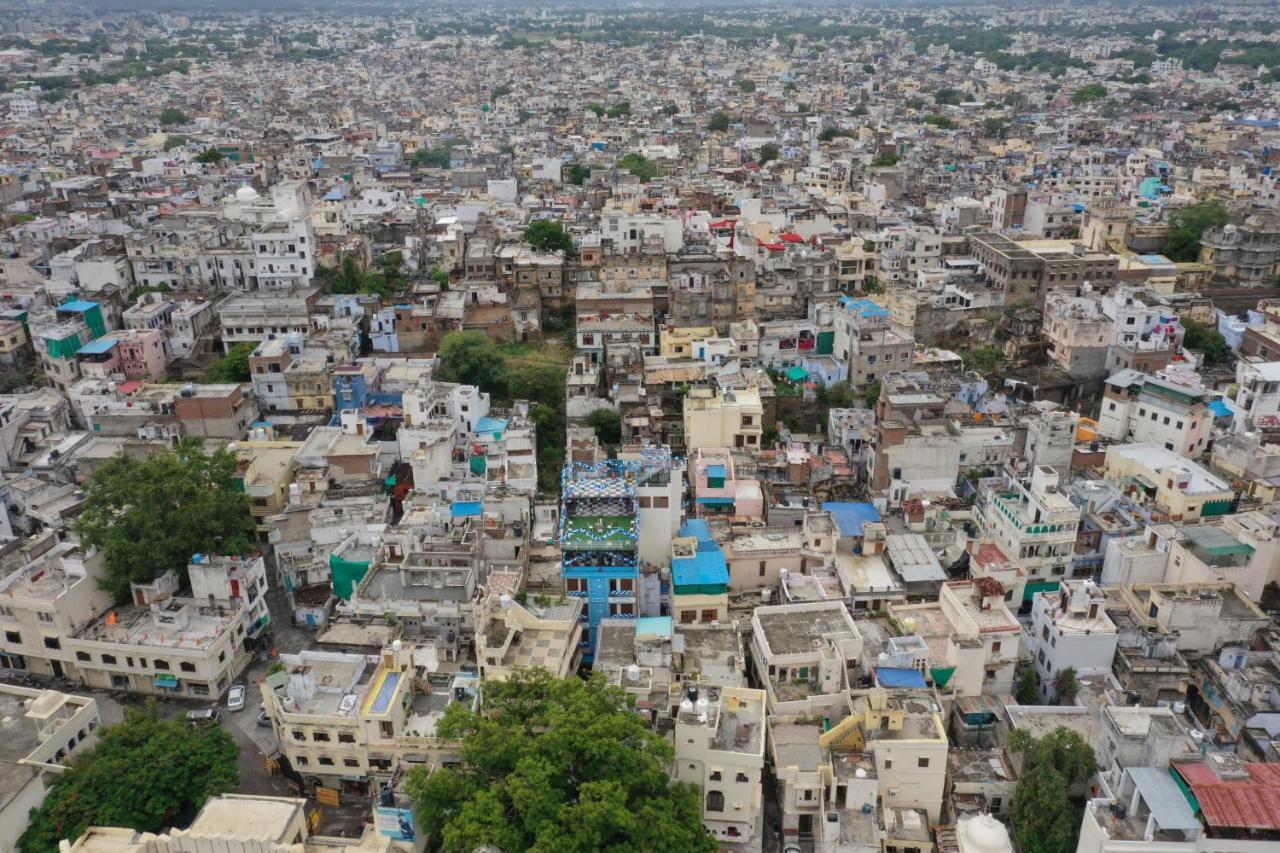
x=144, y=773
x=1188, y=224
x=767, y=152
x=150, y=515
x=746, y=86
x=994, y=127
x=868, y=69
x=619, y=110
x=434, y=156
x=940, y=122
x=872, y=395
x=1066, y=685
x=639, y=165
x=440, y=277
x=885, y=160
x=578, y=174
x=1028, y=689
x=556, y=764
x=608, y=425
x=210, y=155
x=548, y=424
x=1207, y=340
x=472, y=358
x=232, y=367
x=1089, y=93
x=718, y=123
x=546, y=235
x=172, y=115
x=982, y=359
x=174, y=140
x=1044, y=819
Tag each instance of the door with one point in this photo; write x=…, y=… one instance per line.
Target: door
x=57, y=668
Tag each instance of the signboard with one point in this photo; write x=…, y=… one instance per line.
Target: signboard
x=396, y=824
x=327, y=796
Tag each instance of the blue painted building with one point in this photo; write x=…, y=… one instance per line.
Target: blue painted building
x=599, y=537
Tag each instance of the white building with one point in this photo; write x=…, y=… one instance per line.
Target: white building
x=1070, y=628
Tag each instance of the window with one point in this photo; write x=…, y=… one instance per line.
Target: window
x=199, y=690
x=45, y=617
x=300, y=760
x=84, y=656
x=741, y=777
x=12, y=637
x=160, y=664
x=298, y=734
x=186, y=666
x=350, y=762
x=995, y=647
x=110, y=659
x=715, y=776
x=715, y=801
x=346, y=737
x=709, y=615
x=688, y=617
x=888, y=764
x=52, y=643
x=922, y=762
x=320, y=737
x=325, y=761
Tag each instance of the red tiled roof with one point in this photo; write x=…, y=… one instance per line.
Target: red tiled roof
x=774, y=247
x=791, y=238
x=1252, y=803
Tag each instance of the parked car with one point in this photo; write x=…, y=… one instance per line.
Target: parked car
x=235, y=698
x=264, y=720
x=203, y=716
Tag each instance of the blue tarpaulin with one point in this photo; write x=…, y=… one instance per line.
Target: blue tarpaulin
x=850, y=517
x=465, y=509
x=717, y=471
x=888, y=676
x=715, y=501
x=98, y=347
x=487, y=424
x=1219, y=409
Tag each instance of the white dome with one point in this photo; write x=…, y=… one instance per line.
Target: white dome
x=246, y=193
x=984, y=834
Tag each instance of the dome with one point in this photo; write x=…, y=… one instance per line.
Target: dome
x=984, y=834
x=246, y=193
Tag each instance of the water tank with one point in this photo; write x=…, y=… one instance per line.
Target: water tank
x=396, y=645
x=1197, y=736
x=703, y=705
x=765, y=595
x=691, y=694
x=686, y=707
x=633, y=672
x=910, y=624
x=783, y=574
x=1179, y=707
x=860, y=773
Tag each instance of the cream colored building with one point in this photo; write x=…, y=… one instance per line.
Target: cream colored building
x=234, y=823
x=723, y=419
x=678, y=341
x=802, y=654
x=40, y=732
x=510, y=635
x=1172, y=484
x=341, y=719
x=719, y=747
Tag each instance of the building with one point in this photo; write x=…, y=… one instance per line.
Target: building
x=719, y=747
x=1171, y=410
x=1033, y=523
x=724, y=418
x=866, y=341
x=1168, y=482
x=344, y=720
x=1247, y=254
x=803, y=654
x=1070, y=629
x=43, y=731
x=532, y=635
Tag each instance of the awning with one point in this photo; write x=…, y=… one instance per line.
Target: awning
x=1032, y=588
x=167, y=681
x=716, y=501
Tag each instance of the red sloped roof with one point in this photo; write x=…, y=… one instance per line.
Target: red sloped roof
x=721, y=224
x=791, y=238
x=774, y=247
x=1252, y=803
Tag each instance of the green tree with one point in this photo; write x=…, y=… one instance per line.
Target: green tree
x=868, y=69
x=144, y=773
x=872, y=395
x=434, y=156
x=767, y=152
x=885, y=160
x=548, y=423
x=1044, y=818
x=671, y=109
x=718, y=123
x=1188, y=224
x=982, y=359
x=210, y=155
x=1207, y=340
x=546, y=235
x=1028, y=690
x=639, y=165
x=994, y=127
x=1088, y=93
x=472, y=358
x=619, y=110
x=578, y=174
x=940, y=122
x=174, y=140
x=232, y=367
x=150, y=515
x=172, y=115
x=746, y=86
x=1066, y=685
x=440, y=277
x=608, y=425
x=557, y=764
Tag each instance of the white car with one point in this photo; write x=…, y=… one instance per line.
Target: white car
x=235, y=698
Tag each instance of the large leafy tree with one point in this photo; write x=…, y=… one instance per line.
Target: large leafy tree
x=608, y=425
x=557, y=765
x=1207, y=340
x=232, y=367
x=544, y=235
x=1028, y=690
x=1044, y=818
x=150, y=515
x=145, y=772
x=1186, y=226
x=472, y=358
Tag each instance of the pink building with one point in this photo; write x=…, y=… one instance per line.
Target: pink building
x=141, y=353
x=716, y=491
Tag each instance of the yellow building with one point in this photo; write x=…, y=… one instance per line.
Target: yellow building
x=678, y=342
x=723, y=418
x=265, y=471
x=1172, y=484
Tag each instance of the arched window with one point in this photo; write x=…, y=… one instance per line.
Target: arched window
x=715, y=801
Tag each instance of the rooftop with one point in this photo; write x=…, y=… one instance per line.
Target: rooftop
x=796, y=630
